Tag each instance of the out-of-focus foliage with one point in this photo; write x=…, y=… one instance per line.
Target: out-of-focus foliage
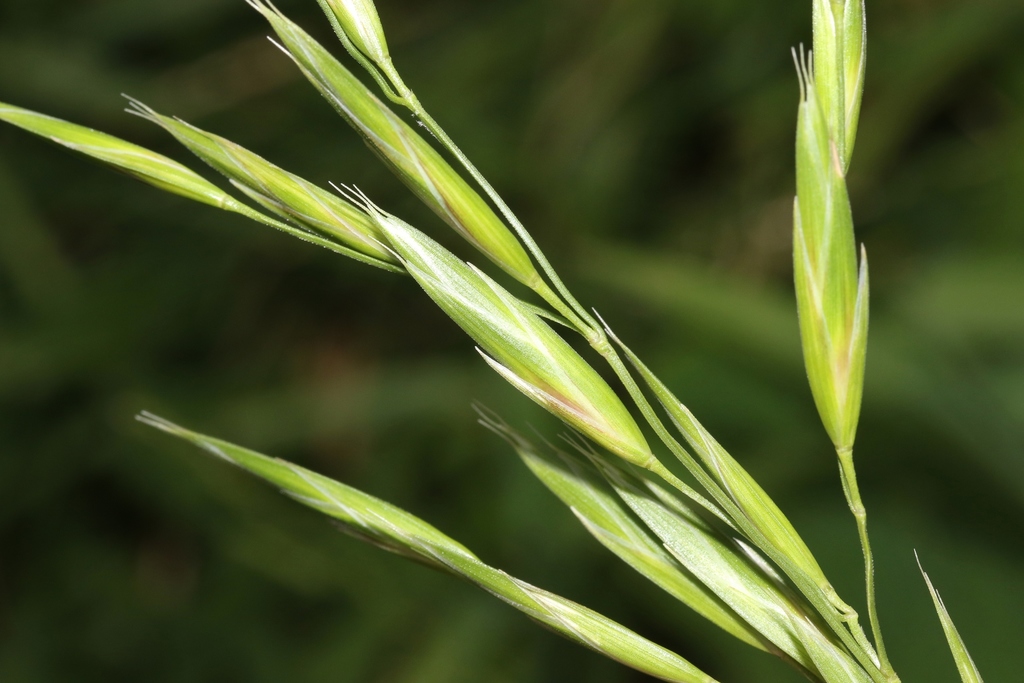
x=648, y=145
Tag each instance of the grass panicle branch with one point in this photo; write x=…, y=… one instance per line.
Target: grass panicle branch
x=749, y=498
x=402, y=149
x=382, y=69
x=697, y=563
x=831, y=288
x=163, y=173
x=741, y=577
x=575, y=481
x=726, y=550
x=783, y=547
x=586, y=324
x=389, y=527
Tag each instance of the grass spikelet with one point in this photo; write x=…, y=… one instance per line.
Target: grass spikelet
x=734, y=572
x=831, y=288
x=277, y=190
x=161, y=172
x=575, y=481
x=831, y=299
x=734, y=480
x=839, y=65
x=414, y=161
x=387, y=526
x=517, y=343
x=139, y=162
x=360, y=27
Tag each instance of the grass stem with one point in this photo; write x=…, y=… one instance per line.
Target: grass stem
x=848, y=474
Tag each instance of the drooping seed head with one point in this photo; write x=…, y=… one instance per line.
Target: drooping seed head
x=412, y=159
x=517, y=343
x=149, y=167
x=277, y=190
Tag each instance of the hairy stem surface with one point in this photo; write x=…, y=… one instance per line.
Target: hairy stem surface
x=848, y=474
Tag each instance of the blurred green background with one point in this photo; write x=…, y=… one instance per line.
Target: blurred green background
x=649, y=147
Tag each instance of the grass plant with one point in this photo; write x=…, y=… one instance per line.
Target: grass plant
x=697, y=524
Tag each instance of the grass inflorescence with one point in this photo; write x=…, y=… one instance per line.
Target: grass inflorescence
x=716, y=541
